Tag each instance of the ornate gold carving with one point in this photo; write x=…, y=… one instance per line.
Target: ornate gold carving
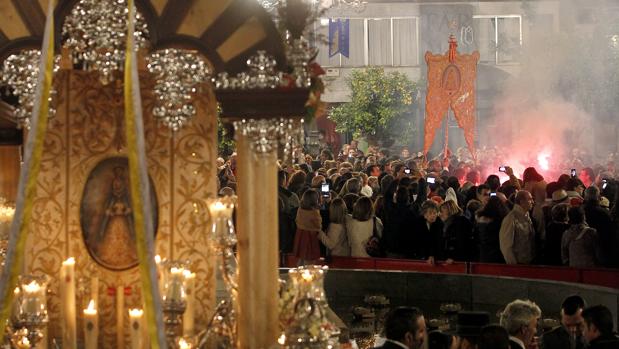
x=88, y=128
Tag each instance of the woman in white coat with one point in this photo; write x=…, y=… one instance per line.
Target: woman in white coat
x=360, y=226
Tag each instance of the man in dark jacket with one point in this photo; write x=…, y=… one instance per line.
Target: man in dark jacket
x=405, y=328
x=570, y=334
x=599, y=219
x=599, y=328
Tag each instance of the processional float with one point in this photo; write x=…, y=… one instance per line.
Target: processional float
x=265, y=106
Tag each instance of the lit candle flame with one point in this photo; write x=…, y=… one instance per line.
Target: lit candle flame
x=91, y=310
x=136, y=313
x=32, y=287
x=307, y=275
x=182, y=344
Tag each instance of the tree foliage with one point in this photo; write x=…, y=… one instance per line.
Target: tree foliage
x=226, y=144
x=380, y=107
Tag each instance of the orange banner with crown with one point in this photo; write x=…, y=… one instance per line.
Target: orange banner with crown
x=451, y=84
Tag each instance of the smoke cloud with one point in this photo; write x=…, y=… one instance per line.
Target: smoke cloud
x=561, y=105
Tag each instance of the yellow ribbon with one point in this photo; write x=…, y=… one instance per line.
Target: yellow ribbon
x=30, y=171
x=139, y=190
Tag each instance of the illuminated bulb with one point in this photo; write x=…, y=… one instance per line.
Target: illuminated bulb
x=157, y=259
x=282, y=339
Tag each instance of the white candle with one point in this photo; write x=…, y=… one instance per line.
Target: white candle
x=91, y=326
x=190, y=294
x=32, y=301
x=67, y=290
x=120, y=317
x=135, y=327
x=175, y=286
x=94, y=290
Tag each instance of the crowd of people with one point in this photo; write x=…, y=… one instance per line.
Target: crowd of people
x=373, y=204
x=519, y=328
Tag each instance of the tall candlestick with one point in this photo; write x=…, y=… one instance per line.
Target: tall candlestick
x=91, y=326
x=120, y=317
x=190, y=294
x=135, y=327
x=67, y=290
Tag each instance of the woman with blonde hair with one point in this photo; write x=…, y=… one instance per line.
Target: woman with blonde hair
x=459, y=241
x=336, y=239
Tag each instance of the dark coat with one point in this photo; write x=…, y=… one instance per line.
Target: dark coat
x=604, y=342
x=487, y=231
x=552, y=246
x=389, y=345
x=514, y=345
x=599, y=219
x=426, y=242
x=460, y=244
x=397, y=233
x=558, y=338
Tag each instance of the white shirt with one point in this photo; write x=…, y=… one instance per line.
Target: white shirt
x=518, y=341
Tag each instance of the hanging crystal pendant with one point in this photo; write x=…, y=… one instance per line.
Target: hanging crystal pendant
x=95, y=32
x=20, y=72
x=178, y=74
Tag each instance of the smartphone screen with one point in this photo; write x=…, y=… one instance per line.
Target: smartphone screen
x=604, y=183
x=502, y=169
x=431, y=180
x=573, y=172
x=325, y=190
x=407, y=170
x=492, y=194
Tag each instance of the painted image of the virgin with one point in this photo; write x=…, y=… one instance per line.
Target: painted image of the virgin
x=106, y=215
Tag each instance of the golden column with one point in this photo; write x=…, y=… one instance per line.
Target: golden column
x=257, y=246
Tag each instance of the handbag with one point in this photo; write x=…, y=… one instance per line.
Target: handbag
x=373, y=246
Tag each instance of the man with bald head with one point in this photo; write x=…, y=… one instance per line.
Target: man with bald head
x=517, y=236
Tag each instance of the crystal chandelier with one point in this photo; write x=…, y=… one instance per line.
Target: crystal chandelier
x=20, y=73
x=95, y=32
x=262, y=74
x=269, y=5
x=178, y=74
